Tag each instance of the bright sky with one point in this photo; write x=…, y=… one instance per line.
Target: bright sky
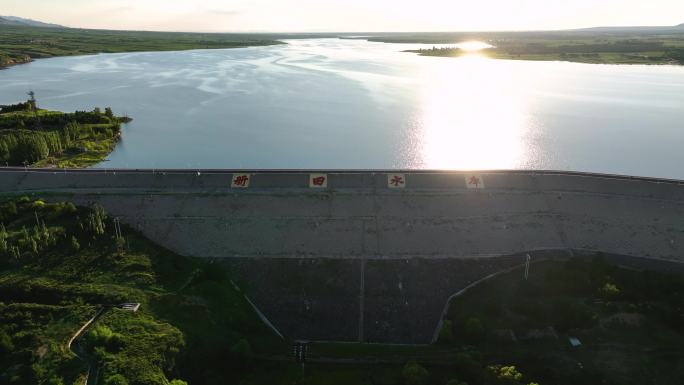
x=346, y=15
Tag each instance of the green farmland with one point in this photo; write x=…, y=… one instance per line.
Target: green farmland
x=23, y=44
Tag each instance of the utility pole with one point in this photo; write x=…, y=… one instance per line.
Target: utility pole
x=34, y=107
x=299, y=351
x=117, y=228
x=32, y=99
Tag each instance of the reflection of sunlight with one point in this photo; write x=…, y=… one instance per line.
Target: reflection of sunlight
x=474, y=115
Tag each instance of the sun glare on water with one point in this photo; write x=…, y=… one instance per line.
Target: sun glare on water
x=474, y=115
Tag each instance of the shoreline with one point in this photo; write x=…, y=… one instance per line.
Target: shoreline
x=31, y=59
x=581, y=59
x=5, y=66
x=22, y=45
x=87, y=140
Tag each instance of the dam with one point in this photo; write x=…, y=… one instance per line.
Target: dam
x=374, y=256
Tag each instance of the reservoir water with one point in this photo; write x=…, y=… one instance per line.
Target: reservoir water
x=331, y=103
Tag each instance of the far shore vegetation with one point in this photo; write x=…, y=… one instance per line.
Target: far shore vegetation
x=599, y=47
x=34, y=137
x=23, y=44
x=602, y=46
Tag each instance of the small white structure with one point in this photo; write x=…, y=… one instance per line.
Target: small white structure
x=574, y=341
x=132, y=306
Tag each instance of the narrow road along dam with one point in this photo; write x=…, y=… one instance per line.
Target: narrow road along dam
x=374, y=256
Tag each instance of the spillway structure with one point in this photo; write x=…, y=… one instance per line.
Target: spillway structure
x=374, y=256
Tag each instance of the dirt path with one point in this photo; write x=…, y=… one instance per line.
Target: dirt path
x=75, y=347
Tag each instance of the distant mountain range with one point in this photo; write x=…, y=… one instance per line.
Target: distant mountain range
x=20, y=21
x=634, y=29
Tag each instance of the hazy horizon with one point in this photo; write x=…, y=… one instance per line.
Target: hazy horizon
x=349, y=16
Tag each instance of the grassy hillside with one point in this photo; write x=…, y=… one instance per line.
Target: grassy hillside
x=59, y=264
x=23, y=44
x=41, y=138
x=630, y=323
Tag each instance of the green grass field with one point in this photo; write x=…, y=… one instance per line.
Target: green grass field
x=23, y=44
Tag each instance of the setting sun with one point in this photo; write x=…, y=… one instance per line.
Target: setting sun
x=473, y=46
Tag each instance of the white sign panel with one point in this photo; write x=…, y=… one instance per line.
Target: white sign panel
x=240, y=180
x=474, y=181
x=396, y=180
x=318, y=180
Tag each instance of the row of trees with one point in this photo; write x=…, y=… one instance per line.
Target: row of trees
x=415, y=374
x=676, y=54
x=30, y=242
x=28, y=136
x=21, y=146
x=621, y=46
x=27, y=106
x=58, y=120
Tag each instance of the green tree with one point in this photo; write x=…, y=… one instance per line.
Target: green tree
x=54, y=380
x=33, y=245
x=4, y=151
x=24, y=235
x=116, y=379
x=610, y=291
x=6, y=345
x=414, y=374
x=9, y=209
x=99, y=335
x=95, y=222
x=4, y=246
x=473, y=332
x=241, y=353
x=446, y=334
x=505, y=375
x=456, y=382
x=676, y=54
x=75, y=246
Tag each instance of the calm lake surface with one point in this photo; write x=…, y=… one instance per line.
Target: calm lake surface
x=330, y=103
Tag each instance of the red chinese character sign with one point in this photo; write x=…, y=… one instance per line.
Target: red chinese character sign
x=318, y=180
x=474, y=181
x=396, y=180
x=240, y=181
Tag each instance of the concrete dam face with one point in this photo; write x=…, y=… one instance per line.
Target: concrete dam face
x=375, y=256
